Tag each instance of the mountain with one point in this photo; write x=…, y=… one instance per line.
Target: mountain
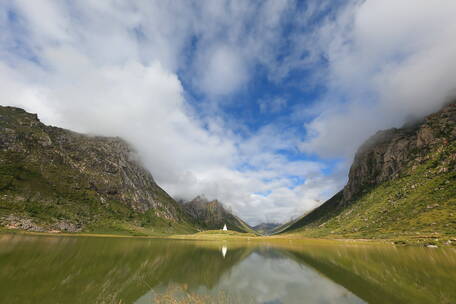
x=55, y=179
x=211, y=215
x=266, y=228
x=402, y=183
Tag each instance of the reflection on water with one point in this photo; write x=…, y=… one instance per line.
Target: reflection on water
x=35, y=269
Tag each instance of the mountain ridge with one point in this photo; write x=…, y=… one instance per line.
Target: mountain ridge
x=212, y=215
x=60, y=180
x=402, y=182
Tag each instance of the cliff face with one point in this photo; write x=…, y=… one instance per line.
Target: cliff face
x=386, y=154
x=402, y=181
x=212, y=215
x=75, y=176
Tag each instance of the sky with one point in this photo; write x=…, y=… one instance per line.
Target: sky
x=260, y=104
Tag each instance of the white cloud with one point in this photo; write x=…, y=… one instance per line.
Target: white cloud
x=388, y=61
x=112, y=68
x=225, y=72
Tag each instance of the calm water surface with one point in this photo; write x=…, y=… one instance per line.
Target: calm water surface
x=41, y=269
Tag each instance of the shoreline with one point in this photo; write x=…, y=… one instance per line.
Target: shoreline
x=212, y=236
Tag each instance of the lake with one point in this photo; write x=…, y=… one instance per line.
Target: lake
x=58, y=269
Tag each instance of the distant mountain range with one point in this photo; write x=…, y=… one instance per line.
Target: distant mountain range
x=266, y=228
x=402, y=183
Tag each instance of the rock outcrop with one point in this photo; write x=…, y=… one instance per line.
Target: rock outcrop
x=213, y=215
x=386, y=154
x=44, y=167
x=402, y=182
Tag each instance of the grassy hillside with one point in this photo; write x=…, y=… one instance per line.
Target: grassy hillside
x=416, y=203
x=419, y=205
x=31, y=201
x=57, y=180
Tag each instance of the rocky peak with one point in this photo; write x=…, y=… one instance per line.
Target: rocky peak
x=104, y=169
x=384, y=156
x=213, y=214
x=200, y=206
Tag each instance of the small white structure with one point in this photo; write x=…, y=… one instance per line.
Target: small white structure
x=224, y=228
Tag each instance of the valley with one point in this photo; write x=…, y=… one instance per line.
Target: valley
x=401, y=189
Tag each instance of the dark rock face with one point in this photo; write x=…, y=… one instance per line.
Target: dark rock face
x=384, y=156
x=213, y=215
x=60, y=165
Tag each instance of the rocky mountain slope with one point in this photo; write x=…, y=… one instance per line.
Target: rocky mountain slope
x=211, y=215
x=402, y=182
x=55, y=179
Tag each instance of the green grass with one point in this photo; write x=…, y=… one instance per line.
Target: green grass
x=51, y=184
x=419, y=206
x=217, y=235
x=227, y=232
x=28, y=194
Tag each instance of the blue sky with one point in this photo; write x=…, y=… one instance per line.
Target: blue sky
x=260, y=104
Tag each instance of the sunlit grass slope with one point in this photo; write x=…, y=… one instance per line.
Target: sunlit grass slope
x=421, y=204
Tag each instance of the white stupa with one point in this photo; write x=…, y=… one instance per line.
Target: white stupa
x=224, y=228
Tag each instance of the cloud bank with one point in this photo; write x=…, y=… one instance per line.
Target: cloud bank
x=387, y=62
x=160, y=73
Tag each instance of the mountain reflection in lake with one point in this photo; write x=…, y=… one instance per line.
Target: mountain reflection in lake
x=39, y=269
